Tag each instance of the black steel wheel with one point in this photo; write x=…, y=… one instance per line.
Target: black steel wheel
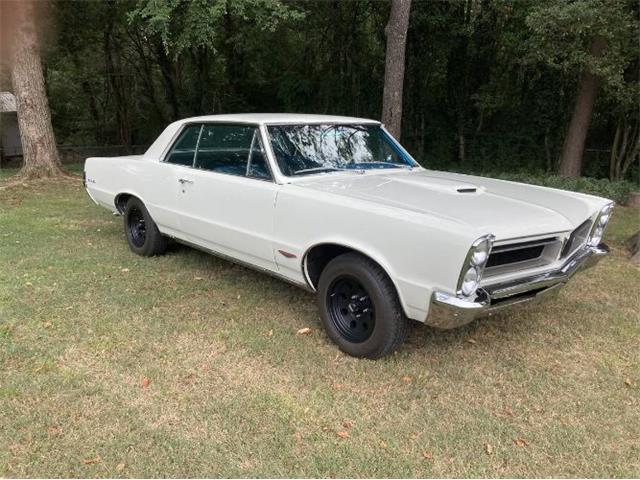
x=137, y=227
x=360, y=308
x=350, y=309
x=142, y=233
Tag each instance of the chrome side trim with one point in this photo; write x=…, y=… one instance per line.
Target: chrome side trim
x=450, y=311
x=242, y=263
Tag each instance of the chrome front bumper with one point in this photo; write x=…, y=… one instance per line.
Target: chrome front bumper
x=450, y=311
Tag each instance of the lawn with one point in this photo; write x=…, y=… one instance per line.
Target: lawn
x=113, y=365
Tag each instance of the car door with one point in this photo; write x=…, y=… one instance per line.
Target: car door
x=167, y=179
x=228, y=197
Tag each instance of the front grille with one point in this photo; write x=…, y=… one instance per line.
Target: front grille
x=512, y=256
x=521, y=255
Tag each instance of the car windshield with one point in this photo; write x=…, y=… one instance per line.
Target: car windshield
x=312, y=149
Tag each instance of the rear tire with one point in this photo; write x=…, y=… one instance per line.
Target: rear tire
x=142, y=233
x=359, y=307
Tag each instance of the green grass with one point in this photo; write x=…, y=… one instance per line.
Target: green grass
x=235, y=392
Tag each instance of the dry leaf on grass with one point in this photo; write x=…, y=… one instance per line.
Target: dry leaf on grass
x=119, y=467
x=198, y=278
x=124, y=270
x=628, y=382
x=505, y=412
x=488, y=448
x=406, y=379
x=521, y=442
x=471, y=341
x=145, y=382
x=304, y=331
x=343, y=434
x=427, y=455
x=347, y=424
x=91, y=461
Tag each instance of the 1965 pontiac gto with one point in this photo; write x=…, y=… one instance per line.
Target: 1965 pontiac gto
x=338, y=206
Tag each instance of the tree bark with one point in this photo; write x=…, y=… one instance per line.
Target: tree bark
x=396, y=31
x=625, y=149
x=40, y=156
x=633, y=244
x=574, y=144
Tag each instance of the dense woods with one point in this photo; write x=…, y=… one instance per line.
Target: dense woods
x=489, y=85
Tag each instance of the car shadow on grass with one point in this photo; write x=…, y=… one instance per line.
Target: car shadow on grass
x=298, y=305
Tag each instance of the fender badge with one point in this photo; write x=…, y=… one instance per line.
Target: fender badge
x=286, y=254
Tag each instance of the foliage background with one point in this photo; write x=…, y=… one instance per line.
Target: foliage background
x=489, y=85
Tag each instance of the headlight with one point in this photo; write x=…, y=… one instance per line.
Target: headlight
x=481, y=253
x=470, y=282
x=600, y=224
x=474, y=265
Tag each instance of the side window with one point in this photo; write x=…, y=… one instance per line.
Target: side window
x=224, y=148
x=184, y=149
x=391, y=153
x=232, y=149
x=257, y=167
x=388, y=152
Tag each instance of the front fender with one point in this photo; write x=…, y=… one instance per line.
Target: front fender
x=418, y=253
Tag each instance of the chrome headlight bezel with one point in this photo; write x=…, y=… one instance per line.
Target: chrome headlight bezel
x=474, y=265
x=599, y=226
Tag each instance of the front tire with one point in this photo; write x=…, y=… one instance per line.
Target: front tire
x=142, y=233
x=359, y=307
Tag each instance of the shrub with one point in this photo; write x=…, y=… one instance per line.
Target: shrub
x=602, y=187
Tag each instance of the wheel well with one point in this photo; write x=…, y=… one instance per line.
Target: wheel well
x=121, y=201
x=319, y=256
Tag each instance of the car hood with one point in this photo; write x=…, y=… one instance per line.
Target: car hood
x=505, y=209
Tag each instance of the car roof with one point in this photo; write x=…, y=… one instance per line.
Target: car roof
x=279, y=118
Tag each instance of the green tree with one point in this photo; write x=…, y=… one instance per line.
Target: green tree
x=590, y=40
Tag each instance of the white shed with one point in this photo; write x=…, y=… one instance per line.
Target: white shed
x=10, y=144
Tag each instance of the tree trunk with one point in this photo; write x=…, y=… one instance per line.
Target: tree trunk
x=624, y=150
x=396, y=31
x=574, y=144
x=633, y=244
x=40, y=156
x=462, y=148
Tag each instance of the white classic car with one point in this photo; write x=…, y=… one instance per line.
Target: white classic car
x=338, y=206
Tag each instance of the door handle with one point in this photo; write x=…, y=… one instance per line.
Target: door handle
x=184, y=180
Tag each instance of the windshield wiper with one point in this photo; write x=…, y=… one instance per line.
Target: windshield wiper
x=394, y=165
x=319, y=170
